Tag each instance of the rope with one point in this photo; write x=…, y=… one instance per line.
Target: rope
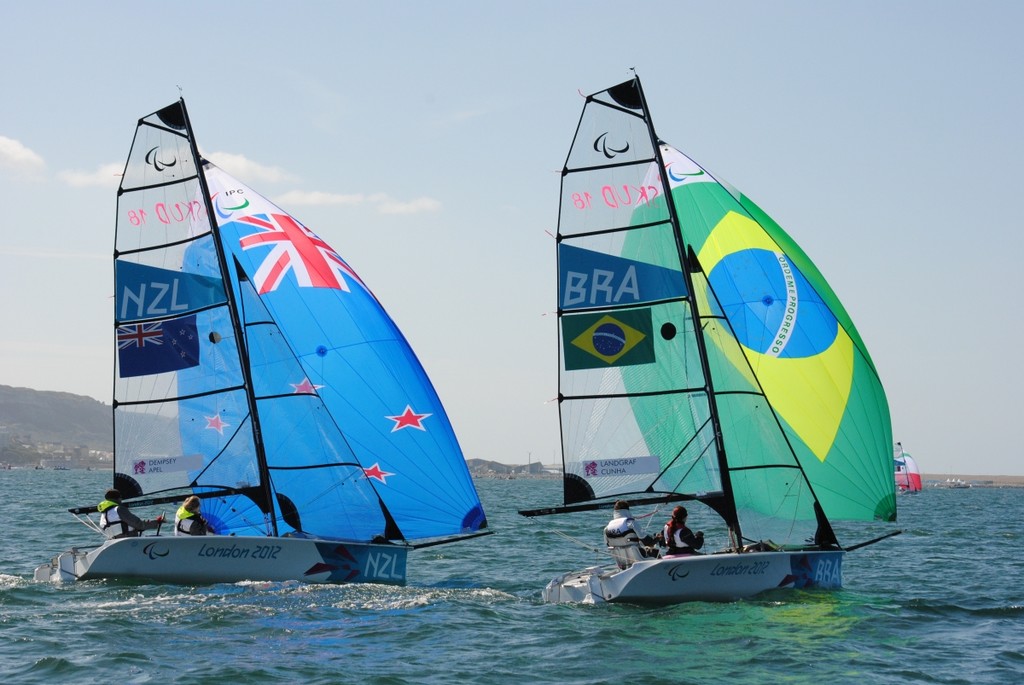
x=582, y=544
x=86, y=521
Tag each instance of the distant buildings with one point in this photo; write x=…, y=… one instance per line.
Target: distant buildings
x=18, y=450
x=482, y=468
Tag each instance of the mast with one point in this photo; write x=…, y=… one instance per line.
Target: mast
x=687, y=258
x=236, y=324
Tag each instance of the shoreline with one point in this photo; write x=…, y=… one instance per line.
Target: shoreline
x=940, y=480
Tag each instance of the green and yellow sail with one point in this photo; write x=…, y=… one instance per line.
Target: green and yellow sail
x=700, y=341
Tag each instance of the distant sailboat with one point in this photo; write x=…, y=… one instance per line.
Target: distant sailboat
x=908, y=476
x=256, y=370
x=703, y=357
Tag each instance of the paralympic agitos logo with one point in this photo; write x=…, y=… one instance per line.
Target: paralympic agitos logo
x=609, y=151
x=153, y=159
x=676, y=572
x=153, y=551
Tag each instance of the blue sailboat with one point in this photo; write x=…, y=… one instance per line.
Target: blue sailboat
x=257, y=371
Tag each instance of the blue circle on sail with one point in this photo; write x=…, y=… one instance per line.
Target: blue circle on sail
x=608, y=339
x=475, y=519
x=771, y=306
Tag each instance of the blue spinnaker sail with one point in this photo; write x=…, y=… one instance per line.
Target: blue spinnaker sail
x=355, y=361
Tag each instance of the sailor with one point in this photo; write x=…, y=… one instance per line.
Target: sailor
x=678, y=538
x=622, y=538
x=188, y=521
x=622, y=522
x=118, y=522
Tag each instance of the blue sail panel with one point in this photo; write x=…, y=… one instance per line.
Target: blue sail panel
x=147, y=292
x=319, y=488
x=310, y=466
x=594, y=279
x=356, y=361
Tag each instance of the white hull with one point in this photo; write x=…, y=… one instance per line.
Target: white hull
x=229, y=559
x=712, y=577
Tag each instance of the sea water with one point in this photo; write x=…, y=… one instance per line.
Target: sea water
x=941, y=603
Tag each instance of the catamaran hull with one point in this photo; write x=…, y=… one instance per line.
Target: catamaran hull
x=711, y=578
x=229, y=559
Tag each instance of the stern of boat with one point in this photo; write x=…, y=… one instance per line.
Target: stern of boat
x=577, y=587
x=63, y=568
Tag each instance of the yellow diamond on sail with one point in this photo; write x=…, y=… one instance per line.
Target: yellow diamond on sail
x=809, y=392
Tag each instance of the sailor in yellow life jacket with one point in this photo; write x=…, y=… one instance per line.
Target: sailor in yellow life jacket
x=117, y=521
x=188, y=521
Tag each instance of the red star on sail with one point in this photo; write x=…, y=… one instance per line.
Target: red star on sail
x=408, y=419
x=305, y=387
x=216, y=423
x=376, y=472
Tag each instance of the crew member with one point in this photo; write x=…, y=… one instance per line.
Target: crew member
x=678, y=538
x=117, y=521
x=188, y=520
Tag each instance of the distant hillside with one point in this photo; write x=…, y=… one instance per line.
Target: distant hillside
x=76, y=421
x=485, y=466
x=61, y=417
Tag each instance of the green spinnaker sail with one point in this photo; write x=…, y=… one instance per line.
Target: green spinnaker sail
x=781, y=372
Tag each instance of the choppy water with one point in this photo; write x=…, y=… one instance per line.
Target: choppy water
x=942, y=603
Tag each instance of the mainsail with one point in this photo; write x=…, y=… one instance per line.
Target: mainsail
x=256, y=369
x=702, y=354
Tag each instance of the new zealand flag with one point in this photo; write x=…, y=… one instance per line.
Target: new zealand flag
x=157, y=347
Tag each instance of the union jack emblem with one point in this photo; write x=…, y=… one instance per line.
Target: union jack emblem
x=297, y=249
x=140, y=335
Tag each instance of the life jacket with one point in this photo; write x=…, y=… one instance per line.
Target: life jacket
x=111, y=523
x=671, y=528
x=185, y=521
x=622, y=539
x=180, y=517
x=620, y=526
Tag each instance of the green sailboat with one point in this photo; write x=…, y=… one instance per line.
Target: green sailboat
x=703, y=357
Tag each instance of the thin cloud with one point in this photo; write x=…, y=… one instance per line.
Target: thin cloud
x=316, y=198
x=46, y=253
x=107, y=175
x=248, y=171
x=418, y=206
x=17, y=157
x=381, y=201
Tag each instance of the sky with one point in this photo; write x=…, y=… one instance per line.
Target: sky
x=424, y=141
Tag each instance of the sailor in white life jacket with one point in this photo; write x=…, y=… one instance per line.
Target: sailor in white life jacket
x=118, y=522
x=678, y=537
x=622, y=538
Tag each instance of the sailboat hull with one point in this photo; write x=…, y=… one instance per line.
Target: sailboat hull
x=712, y=578
x=229, y=559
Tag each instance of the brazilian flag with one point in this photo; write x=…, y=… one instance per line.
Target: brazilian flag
x=597, y=341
